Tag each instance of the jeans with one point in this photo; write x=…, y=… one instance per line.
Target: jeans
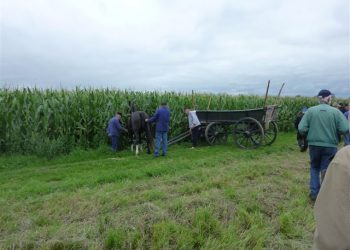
x=320, y=158
x=114, y=140
x=347, y=138
x=161, y=137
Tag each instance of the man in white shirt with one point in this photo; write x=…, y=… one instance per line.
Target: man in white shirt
x=194, y=125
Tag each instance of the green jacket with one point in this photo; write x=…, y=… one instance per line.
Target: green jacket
x=323, y=124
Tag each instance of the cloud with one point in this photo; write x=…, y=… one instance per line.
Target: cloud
x=177, y=45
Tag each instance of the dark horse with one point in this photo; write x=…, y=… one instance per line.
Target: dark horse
x=137, y=128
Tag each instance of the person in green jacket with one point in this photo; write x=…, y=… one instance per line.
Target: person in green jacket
x=323, y=124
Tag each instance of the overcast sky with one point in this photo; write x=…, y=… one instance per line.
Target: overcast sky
x=219, y=46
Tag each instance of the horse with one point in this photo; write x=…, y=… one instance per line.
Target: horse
x=139, y=129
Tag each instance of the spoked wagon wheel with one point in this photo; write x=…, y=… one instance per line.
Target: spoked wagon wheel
x=215, y=133
x=248, y=133
x=270, y=133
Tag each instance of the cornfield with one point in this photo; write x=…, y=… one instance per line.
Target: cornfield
x=51, y=122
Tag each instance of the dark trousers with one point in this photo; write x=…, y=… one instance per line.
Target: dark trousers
x=347, y=138
x=320, y=158
x=114, y=141
x=195, y=134
x=302, y=142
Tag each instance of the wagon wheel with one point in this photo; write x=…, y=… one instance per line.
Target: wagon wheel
x=270, y=133
x=248, y=133
x=215, y=133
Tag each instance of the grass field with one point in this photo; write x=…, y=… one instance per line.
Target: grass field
x=208, y=198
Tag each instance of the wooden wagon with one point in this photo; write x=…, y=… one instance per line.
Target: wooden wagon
x=250, y=128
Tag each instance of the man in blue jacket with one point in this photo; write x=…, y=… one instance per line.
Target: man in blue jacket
x=114, y=130
x=162, y=118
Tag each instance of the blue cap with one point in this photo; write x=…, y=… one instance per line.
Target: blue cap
x=324, y=93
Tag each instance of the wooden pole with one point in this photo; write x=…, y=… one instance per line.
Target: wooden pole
x=275, y=105
x=267, y=92
x=279, y=93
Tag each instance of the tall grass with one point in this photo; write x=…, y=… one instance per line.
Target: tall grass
x=51, y=122
x=210, y=198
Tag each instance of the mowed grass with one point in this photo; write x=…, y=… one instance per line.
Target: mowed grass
x=217, y=197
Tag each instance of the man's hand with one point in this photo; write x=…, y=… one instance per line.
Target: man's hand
x=146, y=120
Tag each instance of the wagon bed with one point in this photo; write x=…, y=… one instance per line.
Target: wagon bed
x=250, y=127
x=229, y=116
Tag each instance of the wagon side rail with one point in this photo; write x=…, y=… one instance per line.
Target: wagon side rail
x=229, y=116
x=271, y=113
x=270, y=124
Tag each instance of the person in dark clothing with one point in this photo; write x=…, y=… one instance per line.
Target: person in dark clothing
x=194, y=125
x=343, y=107
x=114, y=130
x=162, y=119
x=301, y=138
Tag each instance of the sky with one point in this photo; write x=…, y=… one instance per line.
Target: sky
x=221, y=46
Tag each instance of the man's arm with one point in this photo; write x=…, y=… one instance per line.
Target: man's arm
x=154, y=117
x=119, y=126
x=190, y=120
x=304, y=124
x=194, y=121
x=342, y=124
